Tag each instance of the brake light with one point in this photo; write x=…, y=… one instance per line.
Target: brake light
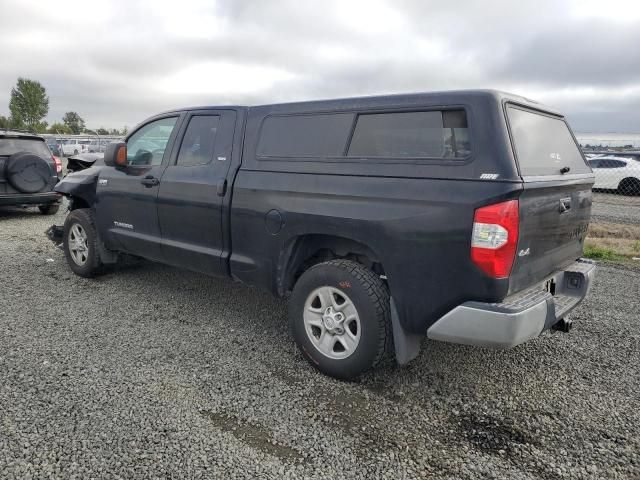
x=58, y=163
x=495, y=237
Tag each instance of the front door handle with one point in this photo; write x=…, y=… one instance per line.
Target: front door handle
x=150, y=181
x=222, y=187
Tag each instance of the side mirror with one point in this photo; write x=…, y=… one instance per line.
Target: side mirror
x=115, y=154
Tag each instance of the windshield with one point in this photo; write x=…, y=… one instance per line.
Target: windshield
x=544, y=144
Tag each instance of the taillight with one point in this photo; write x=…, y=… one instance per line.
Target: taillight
x=495, y=237
x=58, y=163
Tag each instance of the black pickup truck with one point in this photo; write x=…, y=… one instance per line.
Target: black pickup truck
x=459, y=216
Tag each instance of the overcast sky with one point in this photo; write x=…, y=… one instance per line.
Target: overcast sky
x=116, y=62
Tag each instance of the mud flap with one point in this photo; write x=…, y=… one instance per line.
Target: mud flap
x=407, y=345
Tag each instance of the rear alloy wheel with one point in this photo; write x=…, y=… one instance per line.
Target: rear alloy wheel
x=340, y=318
x=80, y=243
x=50, y=209
x=629, y=186
x=332, y=322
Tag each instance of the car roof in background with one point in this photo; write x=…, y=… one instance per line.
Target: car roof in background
x=611, y=157
x=20, y=134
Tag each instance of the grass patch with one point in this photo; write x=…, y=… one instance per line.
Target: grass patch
x=612, y=242
x=615, y=230
x=596, y=252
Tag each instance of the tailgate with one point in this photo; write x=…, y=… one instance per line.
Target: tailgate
x=554, y=217
x=555, y=203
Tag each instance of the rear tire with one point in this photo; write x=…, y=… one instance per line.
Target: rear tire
x=340, y=318
x=50, y=209
x=629, y=186
x=80, y=243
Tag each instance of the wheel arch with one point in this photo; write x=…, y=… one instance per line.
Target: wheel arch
x=76, y=202
x=635, y=181
x=303, y=251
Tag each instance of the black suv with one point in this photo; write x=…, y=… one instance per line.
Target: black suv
x=28, y=172
x=459, y=216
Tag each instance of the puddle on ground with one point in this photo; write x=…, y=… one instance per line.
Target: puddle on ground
x=252, y=435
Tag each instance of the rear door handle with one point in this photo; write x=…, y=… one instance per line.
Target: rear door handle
x=565, y=204
x=150, y=181
x=221, y=188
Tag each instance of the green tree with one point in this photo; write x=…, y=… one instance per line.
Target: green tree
x=58, y=127
x=40, y=127
x=4, y=122
x=102, y=131
x=29, y=104
x=74, y=122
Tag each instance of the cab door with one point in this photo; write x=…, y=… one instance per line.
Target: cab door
x=192, y=191
x=126, y=210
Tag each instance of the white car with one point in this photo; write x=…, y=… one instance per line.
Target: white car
x=617, y=173
x=74, y=147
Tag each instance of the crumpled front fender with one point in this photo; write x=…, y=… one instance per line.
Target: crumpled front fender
x=80, y=184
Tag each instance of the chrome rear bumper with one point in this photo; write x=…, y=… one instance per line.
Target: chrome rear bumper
x=520, y=317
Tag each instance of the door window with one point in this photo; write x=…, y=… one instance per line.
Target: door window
x=199, y=140
x=147, y=145
x=612, y=164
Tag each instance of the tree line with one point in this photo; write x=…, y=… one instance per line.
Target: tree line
x=29, y=105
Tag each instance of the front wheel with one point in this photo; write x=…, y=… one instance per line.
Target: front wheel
x=340, y=318
x=80, y=243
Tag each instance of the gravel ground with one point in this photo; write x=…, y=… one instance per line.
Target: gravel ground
x=153, y=372
x=614, y=208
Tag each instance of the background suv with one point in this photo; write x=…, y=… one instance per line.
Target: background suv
x=28, y=172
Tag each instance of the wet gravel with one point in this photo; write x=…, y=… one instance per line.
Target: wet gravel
x=153, y=372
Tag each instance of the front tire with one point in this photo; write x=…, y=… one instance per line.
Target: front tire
x=80, y=243
x=340, y=318
x=50, y=209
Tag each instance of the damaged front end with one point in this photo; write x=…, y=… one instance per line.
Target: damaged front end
x=79, y=188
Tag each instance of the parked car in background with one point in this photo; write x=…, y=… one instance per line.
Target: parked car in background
x=54, y=146
x=74, y=146
x=28, y=172
x=96, y=146
x=633, y=154
x=459, y=216
x=616, y=173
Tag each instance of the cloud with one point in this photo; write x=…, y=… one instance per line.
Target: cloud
x=120, y=61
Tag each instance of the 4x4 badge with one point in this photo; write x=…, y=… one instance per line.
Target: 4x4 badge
x=523, y=253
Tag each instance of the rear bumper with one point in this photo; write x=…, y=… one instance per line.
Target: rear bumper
x=30, y=198
x=519, y=317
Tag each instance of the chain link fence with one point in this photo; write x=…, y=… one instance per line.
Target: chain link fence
x=616, y=172
x=614, y=233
